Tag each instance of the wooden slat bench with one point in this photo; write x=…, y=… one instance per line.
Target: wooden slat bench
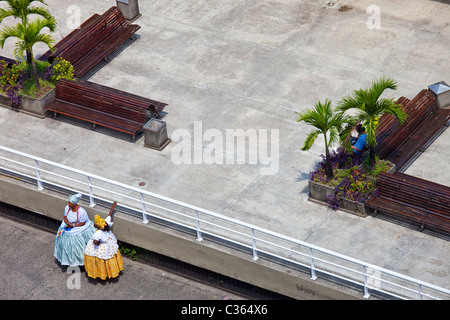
x=7, y=60
x=103, y=106
x=94, y=41
x=401, y=143
x=415, y=200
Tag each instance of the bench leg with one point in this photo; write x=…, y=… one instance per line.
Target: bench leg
x=55, y=115
x=94, y=126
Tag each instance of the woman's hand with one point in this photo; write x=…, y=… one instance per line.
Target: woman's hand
x=73, y=225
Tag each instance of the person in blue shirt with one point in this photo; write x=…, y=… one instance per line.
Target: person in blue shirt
x=360, y=142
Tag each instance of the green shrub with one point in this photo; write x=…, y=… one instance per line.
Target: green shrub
x=63, y=69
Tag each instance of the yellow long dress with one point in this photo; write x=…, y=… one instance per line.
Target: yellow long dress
x=103, y=261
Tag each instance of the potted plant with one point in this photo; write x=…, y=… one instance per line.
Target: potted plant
x=33, y=101
x=28, y=33
x=321, y=188
x=358, y=184
x=326, y=122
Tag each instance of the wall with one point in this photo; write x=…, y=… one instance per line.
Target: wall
x=180, y=246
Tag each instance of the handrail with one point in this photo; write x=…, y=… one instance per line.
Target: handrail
x=258, y=241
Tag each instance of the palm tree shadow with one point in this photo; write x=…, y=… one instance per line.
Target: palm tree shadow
x=301, y=177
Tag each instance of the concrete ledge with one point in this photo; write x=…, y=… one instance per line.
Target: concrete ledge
x=177, y=245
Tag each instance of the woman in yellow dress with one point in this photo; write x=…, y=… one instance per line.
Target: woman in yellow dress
x=102, y=258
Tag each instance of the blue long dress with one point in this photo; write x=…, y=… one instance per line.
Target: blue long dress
x=70, y=243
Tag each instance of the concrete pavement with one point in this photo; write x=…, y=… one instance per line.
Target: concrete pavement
x=252, y=65
x=27, y=272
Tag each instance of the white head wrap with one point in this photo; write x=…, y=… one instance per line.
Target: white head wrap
x=108, y=221
x=75, y=198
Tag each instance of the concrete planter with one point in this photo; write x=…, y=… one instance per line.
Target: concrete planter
x=353, y=207
x=393, y=169
x=35, y=106
x=155, y=134
x=129, y=8
x=5, y=101
x=319, y=192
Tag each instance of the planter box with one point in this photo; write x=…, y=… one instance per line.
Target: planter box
x=393, y=169
x=353, y=207
x=35, y=106
x=5, y=102
x=129, y=8
x=319, y=192
x=155, y=134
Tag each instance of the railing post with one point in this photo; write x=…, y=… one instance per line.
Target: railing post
x=197, y=223
x=144, y=214
x=255, y=253
x=38, y=176
x=91, y=194
x=313, y=270
x=420, y=292
x=366, y=289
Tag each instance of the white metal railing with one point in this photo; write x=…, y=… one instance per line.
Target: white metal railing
x=258, y=242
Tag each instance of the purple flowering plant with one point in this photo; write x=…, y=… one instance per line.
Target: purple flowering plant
x=11, y=81
x=353, y=179
x=340, y=160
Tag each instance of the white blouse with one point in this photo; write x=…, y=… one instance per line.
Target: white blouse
x=107, y=248
x=77, y=216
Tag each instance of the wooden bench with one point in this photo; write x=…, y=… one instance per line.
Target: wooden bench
x=103, y=106
x=7, y=60
x=402, y=143
x=94, y=41
x=415, y=200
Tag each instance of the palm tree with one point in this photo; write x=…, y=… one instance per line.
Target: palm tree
x=326, y=122
x=21, y=9
x=369, y=108
x=29, y=34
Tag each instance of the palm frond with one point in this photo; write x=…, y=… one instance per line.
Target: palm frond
x=352, y=102
x=40, y=11
x=28, y=34
x=371, y=125
x=334, y=136
x=310, y=139
x=326, y=121
x=4, y=13
x=389, y=106
x=21, y=9
x=9, y=32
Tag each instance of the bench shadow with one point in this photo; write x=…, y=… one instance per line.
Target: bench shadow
x=99, y=129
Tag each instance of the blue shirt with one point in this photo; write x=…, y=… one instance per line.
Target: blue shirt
x=360, y=143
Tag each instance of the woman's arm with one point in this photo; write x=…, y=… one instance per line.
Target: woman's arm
x=111, y=211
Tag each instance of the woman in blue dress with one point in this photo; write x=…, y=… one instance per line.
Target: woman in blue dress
x=73, y=234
